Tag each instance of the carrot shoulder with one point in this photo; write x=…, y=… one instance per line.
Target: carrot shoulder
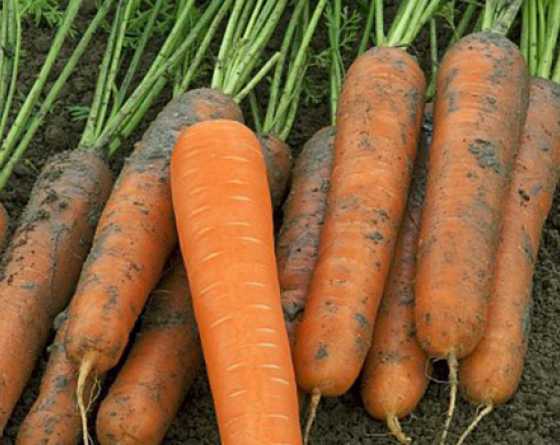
x=42, y=262
x=161, y=366
x=304, y=211
x=481, y=105
x=224, y=219
x=395, y=374
x=491, y=374
x=378, y=127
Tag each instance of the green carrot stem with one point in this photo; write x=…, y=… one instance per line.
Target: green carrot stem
x=541, y=17
x=434, y=56
x=401, y=22
x=218, y=76
x=292, y=112
x=533, y=38
x=27, y=108
x=203, y=48
x=337, y=65
x=271, y=114
x=488, y=14
x=15, y=46
x=4, y=58
x=379, y=30
x=367, y=29
x=244, y=65
x=551, y=41
x=110, y=85
x=464, y=22
x=136, y=98
x=54, y=92
x=137, y=57
x=261, y=74
x=505, y=19
x=524, y=47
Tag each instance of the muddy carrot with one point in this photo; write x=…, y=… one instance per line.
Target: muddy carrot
x=163, y=362
x=225, y=230
x=378, y=126
x=395, y=374
x=479, y=113
x=42, y=262
x=54, y=417
x=490, y=375
x=136, y=232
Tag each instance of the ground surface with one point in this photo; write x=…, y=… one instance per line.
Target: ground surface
x=532, y=417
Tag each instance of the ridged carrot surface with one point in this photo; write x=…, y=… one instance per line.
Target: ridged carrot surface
x=482, y=94
x=304, y=212
x=491, y=374
x=378, y=127
x=224, y=220
x=42, y=262
x=161, y=366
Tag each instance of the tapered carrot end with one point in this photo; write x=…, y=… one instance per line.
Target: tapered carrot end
x=311, y=414
x=487, y=410
x=83, y=374
x=395, y=427
x=453, y=382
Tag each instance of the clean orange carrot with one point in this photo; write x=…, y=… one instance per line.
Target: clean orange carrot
x=158, y=371
x=224, y=219
x=479, y=113
x=304, y=212
x=54, y=417
x=42, y=262
x=378, y=126
x=491, y=374
x=395, y=376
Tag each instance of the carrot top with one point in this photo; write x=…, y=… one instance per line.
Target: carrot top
x=289, y=73
x=249, y=29
x=539, y=38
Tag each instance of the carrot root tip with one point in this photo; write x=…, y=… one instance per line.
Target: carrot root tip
x=395, y=427
x=483, y=413
x=83, y=374
x=453, y=383
x=311, y=414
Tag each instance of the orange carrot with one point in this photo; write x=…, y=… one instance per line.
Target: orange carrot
x=224, y=219
x=395, y=374
x=479, y=114
x=491, y=374
x=378, y=126
x=304, y=211
x=54, y=417
x=43, y=260
x=161, y=366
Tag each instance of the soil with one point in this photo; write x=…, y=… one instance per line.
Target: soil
x=532, y=417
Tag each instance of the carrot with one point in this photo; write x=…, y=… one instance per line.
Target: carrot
x=54, y=417
x=136, y=232
x=158, y=371
x=43, y=260
x=380, y=108
x=304, y=211
x=278, y=159
x=395, y=375
x=479, y=113
x=224, y=220
x=4, y=224
x=490, y=375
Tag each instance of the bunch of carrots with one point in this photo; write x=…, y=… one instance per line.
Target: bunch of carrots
x=396, y=247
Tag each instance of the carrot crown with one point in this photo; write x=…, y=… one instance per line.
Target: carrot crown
x=289, y=73
x=539, y=38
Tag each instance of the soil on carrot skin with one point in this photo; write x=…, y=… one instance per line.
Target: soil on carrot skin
x=532, y=417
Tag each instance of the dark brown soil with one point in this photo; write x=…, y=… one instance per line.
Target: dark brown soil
x=532, y=417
